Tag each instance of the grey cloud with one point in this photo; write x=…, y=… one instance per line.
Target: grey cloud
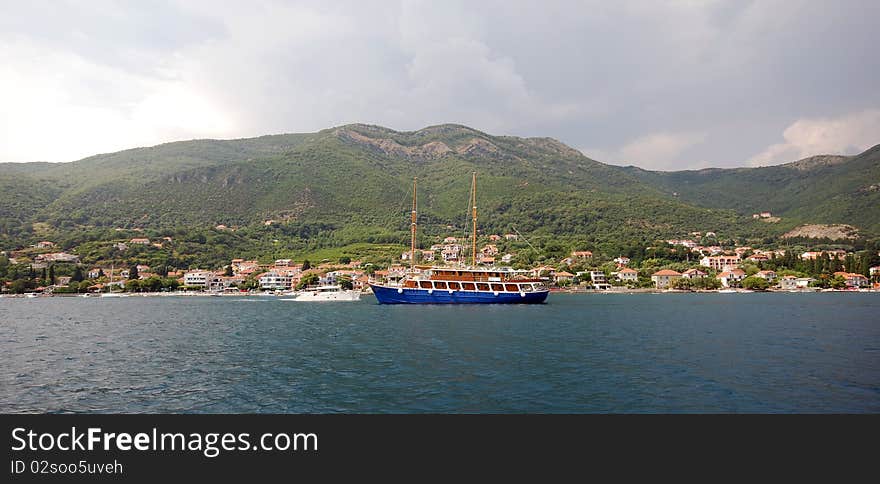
x=679, y=84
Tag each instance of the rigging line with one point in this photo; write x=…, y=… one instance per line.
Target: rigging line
x=389, y=222
x=524, y=238
x=466, y=233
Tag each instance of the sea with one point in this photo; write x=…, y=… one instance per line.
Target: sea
x=578, y=353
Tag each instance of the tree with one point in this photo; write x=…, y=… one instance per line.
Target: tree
x=228, y=271
x=50, y=277
x=345, y=260
x=77, y=275
x=345, y=283
x=308, y=280
x=306, y=265
x=682, y=283
x=755, y=283
x=133, y=273
x=838, y=282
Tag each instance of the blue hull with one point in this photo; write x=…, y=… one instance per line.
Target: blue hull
x=394, y=295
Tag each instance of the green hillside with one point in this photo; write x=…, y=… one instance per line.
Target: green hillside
x=820, y=189
x=350, y=184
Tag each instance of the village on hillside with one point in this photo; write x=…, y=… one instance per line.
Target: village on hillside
x=678, y=265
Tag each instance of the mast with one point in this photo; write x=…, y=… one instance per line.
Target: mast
x=412, y=247
x=474, y=237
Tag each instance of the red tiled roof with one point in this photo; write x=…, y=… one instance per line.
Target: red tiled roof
x=666, y=272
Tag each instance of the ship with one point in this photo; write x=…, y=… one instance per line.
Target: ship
x=460, y=285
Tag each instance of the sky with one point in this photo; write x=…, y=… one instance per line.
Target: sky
x=664, y=85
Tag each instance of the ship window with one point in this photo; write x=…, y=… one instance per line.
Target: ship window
x=510, y=287
x=497, y=287
x=483, y=286
x=468, y=286
x=425, y=284
x=454, y=286
x=439, y=284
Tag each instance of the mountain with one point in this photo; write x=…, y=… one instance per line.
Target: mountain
x=353, y=182
x=820, y=189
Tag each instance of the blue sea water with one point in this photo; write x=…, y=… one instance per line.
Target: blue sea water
x=635, y=353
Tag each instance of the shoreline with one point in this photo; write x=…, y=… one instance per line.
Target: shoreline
x=568, y=292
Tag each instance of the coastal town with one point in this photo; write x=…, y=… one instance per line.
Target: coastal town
x=685, y=264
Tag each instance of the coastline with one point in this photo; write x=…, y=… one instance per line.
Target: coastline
x=554, y=291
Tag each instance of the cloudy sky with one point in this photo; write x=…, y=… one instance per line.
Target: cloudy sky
x=661, y=85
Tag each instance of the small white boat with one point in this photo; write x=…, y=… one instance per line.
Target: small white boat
x=727, y=291
x=325, y=293
x=111, y=294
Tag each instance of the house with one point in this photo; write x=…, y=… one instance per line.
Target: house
x=693, y=274
x=874, y=271
x=62, y=280
x=506, y=258
x=628, y=275
x=582, y=254
x=244, y=266
x=663, y=279
x=720, y=262
x=428, y=255
x=94, y=273
x=489, y=249
x=217, y=282
x=768, y=275
x=810, y=255
x=598, y=280
x=543, y=271
x=196, y=278
x=450, y=240
x=562, y=277
x=853, y=280
x=451, y=252
x=405, y=255
x=622, y=261
x=140, y=241
x=122, y=246
x=283, y=263
x=272, y=281
x=732, y=277
x=741, y=250
x=485, y=259
x=45, y=244
x=791, y=283
x=511, y=236
x=598, y=277
x=690, y=244
x=494, y=238
x=758, y=258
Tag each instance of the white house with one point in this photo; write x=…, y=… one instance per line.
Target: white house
x=628, y=275
x=731, y=277
x=720, y=262
x=663, y=279
x=768, y=275
x=197, y=278
x=272, y=281
x=693, y=274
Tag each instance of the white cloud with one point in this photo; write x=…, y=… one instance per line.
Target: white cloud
x=656, y=151
x=845, y=135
